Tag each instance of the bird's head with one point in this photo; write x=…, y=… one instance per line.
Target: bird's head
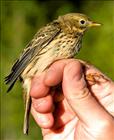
x=76, y=22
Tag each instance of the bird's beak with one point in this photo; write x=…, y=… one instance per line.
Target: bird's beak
x=93, y=24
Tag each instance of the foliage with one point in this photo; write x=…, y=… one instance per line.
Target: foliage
x=19, y=22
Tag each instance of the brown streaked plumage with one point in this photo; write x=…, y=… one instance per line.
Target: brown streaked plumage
x=57, y=40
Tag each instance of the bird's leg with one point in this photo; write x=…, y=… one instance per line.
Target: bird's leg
x=27, y=99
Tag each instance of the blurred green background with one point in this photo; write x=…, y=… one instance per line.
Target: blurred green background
x=20, y=20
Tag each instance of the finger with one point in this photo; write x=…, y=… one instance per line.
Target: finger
x=43, y=105
x=52, y=77
x=101, y=86
x=45, y=121
x=38, y=88
x=55, y=72
x=79, y=98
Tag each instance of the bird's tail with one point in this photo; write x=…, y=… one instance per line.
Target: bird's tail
x=27, y=99
x=27, y=114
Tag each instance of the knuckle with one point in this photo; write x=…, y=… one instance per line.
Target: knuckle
x=105, y=125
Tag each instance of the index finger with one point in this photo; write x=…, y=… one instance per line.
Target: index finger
x=55, y=72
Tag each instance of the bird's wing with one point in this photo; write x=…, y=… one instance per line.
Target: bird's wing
x=40, y=40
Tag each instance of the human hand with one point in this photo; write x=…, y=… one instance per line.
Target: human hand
x=87, y=109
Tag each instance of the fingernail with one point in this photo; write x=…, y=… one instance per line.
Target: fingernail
x=39, y=103
x=75, y=71
x=43, y=119
x=49, y=74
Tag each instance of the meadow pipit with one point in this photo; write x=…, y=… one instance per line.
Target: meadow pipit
x=57, y=40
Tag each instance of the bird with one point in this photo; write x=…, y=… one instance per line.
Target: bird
x=59, y=39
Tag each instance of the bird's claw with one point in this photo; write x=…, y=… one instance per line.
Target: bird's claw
x=95, y=78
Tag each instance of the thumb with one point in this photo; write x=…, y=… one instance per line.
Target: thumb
x=75, y=90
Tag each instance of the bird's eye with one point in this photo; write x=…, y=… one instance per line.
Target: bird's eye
x=82, y=22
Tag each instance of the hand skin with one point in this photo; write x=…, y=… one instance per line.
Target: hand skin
x=85, y=113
